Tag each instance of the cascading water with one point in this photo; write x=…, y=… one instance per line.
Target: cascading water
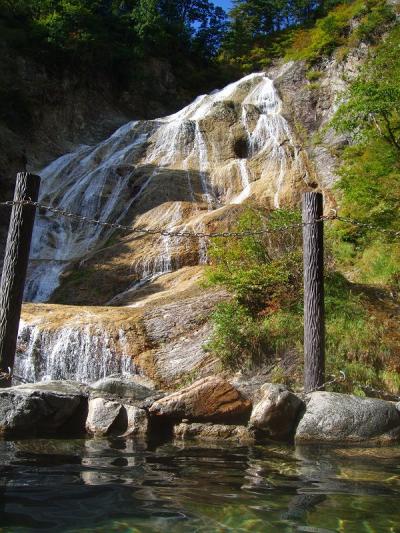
x=82, y=354
x=172, y=173
x=96, y=182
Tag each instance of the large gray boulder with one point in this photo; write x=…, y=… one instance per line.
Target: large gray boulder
x=137, y=423
x=132, y=387
x=42, y=408
x=276, y=412
x=331, y=417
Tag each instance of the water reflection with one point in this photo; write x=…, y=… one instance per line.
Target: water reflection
x=105, y=485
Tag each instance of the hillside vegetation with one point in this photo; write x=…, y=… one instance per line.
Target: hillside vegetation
x=262, y=323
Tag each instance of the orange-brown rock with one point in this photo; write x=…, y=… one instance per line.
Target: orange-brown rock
x=210, y=399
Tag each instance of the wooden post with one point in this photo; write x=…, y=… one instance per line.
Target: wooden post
x=14, y=270
x=314, y=322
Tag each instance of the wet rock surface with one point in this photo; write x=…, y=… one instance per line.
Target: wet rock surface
x=212, y=399
x=276, y=412
x=340, y=418
x=214, y=432
x=210, y=409
x=41, y=408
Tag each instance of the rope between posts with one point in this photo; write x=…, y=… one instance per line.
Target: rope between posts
x=192, y=234
x=160, y=231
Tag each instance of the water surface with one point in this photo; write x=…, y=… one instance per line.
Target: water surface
x=112, y=485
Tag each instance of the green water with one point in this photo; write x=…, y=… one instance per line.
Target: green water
x=105, y=485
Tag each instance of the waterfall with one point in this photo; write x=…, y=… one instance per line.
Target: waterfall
x=179, y=173
x=146, y=165
x=83, y=354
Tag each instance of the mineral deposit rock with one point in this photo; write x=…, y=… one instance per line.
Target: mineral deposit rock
x=211, y=399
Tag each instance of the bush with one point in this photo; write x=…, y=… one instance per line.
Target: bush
x=263, y=273
x=263, y=322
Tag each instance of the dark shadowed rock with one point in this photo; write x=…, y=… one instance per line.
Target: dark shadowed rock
x=214, y=432
x=137, y=423
x=336, y=418
x=211, y=399
x=41, y=408
x=276, y=412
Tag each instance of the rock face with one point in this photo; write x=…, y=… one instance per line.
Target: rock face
x=215, y=153
x=43, y=408
x=211, y=399
x=214, y=432
x=332, y=417
x=276, y=412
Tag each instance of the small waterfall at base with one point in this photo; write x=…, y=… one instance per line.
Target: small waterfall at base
x=80, y=354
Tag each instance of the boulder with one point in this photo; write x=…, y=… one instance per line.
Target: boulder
x=214, y=432
x=276, y=412
x=133, y=387
x=104, y=417
x=137, y=423
x=331, y=417
x=210, y=399
x=42, y=408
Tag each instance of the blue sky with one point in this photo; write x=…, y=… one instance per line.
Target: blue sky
x=226, y=4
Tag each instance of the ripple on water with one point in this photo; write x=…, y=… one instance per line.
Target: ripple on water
x=100, y=485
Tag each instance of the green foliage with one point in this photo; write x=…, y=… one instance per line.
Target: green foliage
x=371, y=105
x=238, y=339
x=369, y=187
x=259, y=270
x=109, y=34
x=372, y=24
x=263, y=273
x=261, y=31
x=263, y=322
x=328, y=33
x=313, y=75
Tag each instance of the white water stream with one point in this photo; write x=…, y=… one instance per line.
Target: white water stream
x=126, y=177
x=81, y=354
x=96, y=181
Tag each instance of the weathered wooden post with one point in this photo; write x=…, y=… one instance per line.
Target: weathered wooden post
x=314, y=321
x=14, y=270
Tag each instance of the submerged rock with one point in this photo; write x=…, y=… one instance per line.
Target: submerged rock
x=276, y=412
x=214, y=432
x=331, y=417
x=42, y=408
x=210, y=399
